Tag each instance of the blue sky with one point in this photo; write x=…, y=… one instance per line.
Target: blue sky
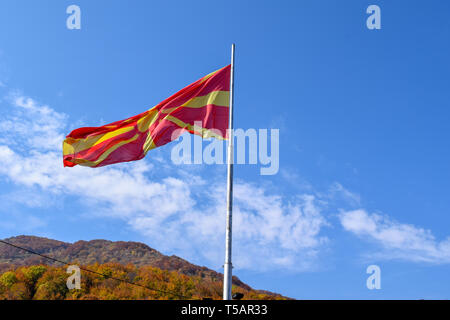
x=363, y=118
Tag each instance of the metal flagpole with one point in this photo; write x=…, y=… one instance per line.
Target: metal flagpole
x=228, y=266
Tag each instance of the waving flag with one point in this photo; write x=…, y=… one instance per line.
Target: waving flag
x=204, y=102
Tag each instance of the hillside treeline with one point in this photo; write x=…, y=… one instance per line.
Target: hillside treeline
x=42, y=282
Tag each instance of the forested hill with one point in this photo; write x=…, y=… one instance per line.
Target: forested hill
x=101, y=252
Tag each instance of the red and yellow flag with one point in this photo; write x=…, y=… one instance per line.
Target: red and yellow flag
x=204, y=102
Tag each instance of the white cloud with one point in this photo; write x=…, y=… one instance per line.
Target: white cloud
x=399, y=241
x=37, y=126
x=338, y=191
x=181, y=212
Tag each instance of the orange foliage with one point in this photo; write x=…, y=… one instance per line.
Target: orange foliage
x=49, y=283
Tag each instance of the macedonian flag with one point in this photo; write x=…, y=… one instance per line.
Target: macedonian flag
x=200, y=108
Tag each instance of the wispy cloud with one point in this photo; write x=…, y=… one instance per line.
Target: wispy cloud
x=182, y=211
x=31, y=124
x=397, y=240
x=338, y=191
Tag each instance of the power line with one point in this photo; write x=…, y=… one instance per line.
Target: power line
x=91, y=271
